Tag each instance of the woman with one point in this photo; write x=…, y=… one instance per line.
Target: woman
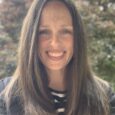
x=53, y=76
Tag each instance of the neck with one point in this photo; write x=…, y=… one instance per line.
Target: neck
x=57, y=80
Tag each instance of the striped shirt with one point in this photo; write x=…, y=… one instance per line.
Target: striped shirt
x=59, y=98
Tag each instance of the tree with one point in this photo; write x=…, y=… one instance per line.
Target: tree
x=11, y=16
x=98, y=16
x=12, y=13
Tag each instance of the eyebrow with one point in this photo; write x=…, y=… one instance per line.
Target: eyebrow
x=65, y=26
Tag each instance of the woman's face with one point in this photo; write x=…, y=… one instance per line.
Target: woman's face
x=55, y=43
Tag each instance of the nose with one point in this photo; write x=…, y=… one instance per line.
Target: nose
x=55, y=42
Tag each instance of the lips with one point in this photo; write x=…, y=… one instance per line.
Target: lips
x=55, y=55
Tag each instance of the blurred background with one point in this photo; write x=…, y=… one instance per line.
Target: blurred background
x=99, y=23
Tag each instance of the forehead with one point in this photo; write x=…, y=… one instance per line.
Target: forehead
x=55, y=11
x=55, y=4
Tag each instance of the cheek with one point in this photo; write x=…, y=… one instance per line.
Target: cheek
x=40, y=48
x=69, y=44
x=70, y=47
x=41, y=45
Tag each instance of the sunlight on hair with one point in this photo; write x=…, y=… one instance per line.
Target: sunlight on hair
x=0, y=1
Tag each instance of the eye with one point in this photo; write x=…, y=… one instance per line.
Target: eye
x=44, y=33
x=66, y=31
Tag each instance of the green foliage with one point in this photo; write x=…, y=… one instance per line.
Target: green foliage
x=99, y=23
x=7, y=56
x=11, y=17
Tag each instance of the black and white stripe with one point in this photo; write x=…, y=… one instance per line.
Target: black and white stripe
x=59, y=100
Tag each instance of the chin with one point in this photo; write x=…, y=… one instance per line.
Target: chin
x=55, y=68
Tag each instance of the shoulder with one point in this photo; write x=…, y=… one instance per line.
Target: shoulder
x=2, y=106
x=4, y=82
x=112, y=101
x=103, y=85
x=110, y=93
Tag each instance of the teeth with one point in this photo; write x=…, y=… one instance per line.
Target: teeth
x=55, y=54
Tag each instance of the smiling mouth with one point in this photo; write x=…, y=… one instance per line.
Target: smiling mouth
x=55, y=56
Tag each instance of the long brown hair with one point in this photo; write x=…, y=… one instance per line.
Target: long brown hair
x=85, y=94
